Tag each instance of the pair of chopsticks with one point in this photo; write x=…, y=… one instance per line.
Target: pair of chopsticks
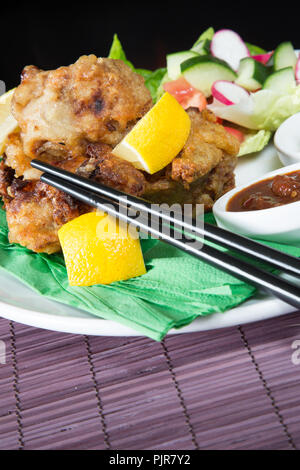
x=110, y=200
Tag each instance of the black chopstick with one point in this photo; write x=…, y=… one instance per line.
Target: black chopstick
x=246, y=272
x=286, y=263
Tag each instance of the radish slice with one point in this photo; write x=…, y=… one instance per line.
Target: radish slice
x=263, y=58
x=228, y=92
x=297, y=70
x=229, y=46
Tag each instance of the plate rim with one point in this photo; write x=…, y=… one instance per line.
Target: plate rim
x=95, y=326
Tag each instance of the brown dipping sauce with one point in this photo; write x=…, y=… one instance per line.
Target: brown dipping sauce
x=272, y=192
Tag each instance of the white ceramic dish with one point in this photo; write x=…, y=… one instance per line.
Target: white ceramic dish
x=287, y=140
x=279, y=224
x=23, y=305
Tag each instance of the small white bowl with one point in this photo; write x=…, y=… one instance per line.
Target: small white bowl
x=279, y=224
x=287, y=140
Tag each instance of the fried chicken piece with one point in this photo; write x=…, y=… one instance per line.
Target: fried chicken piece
x=206, y=190
x=35, y=212
x=104, y=167
x=206, y=145
x=15, y=157
x=6, y=178
x=94, y=100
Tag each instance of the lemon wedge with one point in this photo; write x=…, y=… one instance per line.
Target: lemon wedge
x=100, y=250
x=157, y=138
x=7, y=122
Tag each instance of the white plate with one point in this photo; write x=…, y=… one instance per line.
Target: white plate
x=21, y=304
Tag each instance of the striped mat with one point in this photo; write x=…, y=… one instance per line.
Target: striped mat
x=235, y=388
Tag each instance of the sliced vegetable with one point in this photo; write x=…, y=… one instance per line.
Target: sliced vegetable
x=229, y=46
x=202, y=47
x=251, y=74
x=174, y=61
x=240, y=113
x=228, y=92
x=284, y=56
x=281, y=81
x=265, y=109
x=207, y=35
x=185, y=94
x=202, y=71
x=263, y=58
x=239, y=135
x=297, y=70
x=197, y=100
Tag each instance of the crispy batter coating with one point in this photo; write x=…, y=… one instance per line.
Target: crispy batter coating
x=35, y=211
x=207, y=144
x=206, y=190
x=94, y=100
x=106, y=168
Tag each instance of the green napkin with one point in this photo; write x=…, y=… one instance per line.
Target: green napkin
x=176, y=289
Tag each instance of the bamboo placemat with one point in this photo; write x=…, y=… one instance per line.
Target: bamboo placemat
x=235, y=388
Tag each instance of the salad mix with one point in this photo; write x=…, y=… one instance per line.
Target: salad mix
x=250, y=90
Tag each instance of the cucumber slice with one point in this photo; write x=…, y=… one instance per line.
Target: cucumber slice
x=202, y=71
x=202, y=47
x=251, y=74
x=174, y=61
x=207, y=34
x=284, y=56
x=281, y=81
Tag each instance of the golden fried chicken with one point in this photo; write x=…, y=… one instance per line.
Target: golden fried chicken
x=93, y=100
x=104, y=167
x=35, y=211
x=207, y=143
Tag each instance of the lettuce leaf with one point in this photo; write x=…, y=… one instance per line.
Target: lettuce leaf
x=153, y=82
x=271, y=109
x=255, y=50
x=254, y=142
x=117, y=51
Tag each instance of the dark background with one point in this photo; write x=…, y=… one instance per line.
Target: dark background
x=50, y=34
